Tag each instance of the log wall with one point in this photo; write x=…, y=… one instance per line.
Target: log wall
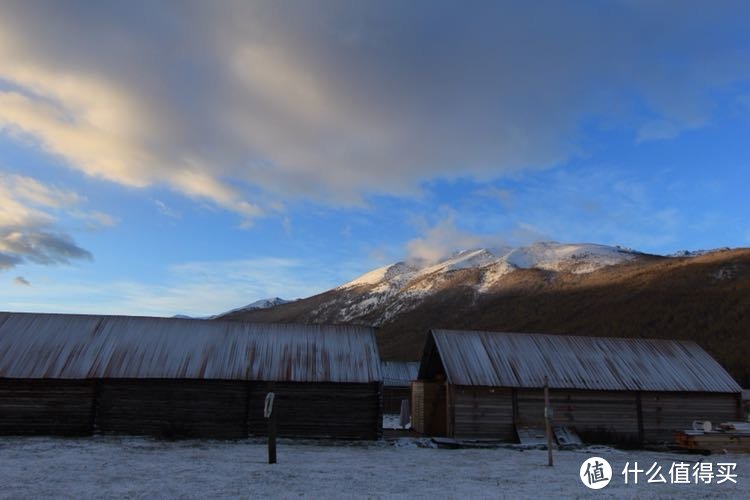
x=177, y=408
x=597, y=416
x=48, y=407
x=326, y=410
x=429, y=408
x=172, y=408
x=482, y=413
x=624, y=418
x=665, y=413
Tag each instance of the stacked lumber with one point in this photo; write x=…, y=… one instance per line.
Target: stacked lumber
x=728, y=437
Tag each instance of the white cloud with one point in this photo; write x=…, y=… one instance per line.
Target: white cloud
x=195, y=288
x=33, y=191
x=444, y=238
x=167, y=211
x=252, y=103
x=29, y=227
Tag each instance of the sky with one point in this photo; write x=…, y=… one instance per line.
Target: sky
x=164, y=157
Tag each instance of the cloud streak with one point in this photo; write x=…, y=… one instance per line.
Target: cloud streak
x=194, y=288
x=29, y=231
x=252, y=103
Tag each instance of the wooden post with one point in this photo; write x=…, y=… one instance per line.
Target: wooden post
x=270, y=414
x=548, y=421
x=639, y=414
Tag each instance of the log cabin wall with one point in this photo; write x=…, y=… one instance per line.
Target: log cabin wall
x=318, y=410
x=429, y=408
x=172, y=408
x=664, y=413
x=482, y=413
x=47, y=407
x=597, y=416
x=179, y=408
x=610, y=390
x=417, y=406
x=78, y=374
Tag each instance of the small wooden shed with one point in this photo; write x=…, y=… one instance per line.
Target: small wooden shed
x=489, y=385
x=79, y=374
x=397, y=378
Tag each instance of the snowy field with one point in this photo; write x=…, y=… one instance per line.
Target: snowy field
x=145, y=468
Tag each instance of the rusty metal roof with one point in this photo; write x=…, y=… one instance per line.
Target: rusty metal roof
x=573, y=362
x=81, y=347
x=398, y=373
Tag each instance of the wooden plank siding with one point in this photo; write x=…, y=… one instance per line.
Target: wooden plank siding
x=177, y=408
x=342, y=411
x=429, y=408
x=597, y=416
x=417, y=406
x=172, y=408
x=607, y=417
x=46, y=407
x=609, y=390
x=665, y=413
x=482, y=413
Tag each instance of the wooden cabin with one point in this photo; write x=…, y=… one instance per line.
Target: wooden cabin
x=397, y=378
x=78, y=375
x=487, y=385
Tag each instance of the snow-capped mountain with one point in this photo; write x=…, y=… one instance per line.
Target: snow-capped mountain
x=581, y=289
x=382, y=294
x=399, y=286
x=258, y=304
x=550, y=256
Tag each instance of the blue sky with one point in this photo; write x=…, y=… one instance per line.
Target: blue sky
x=162, y=157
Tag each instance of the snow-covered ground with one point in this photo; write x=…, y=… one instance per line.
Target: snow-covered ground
x=393, y=422
x=99, y=467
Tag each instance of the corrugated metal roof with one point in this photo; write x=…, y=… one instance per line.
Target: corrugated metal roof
x=399, y=373
x=573, y=362
x=80, y=347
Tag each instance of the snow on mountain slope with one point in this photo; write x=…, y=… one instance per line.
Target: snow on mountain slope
x=394, y=288
x=392, y=275
x=550, y=256
x=462, y=260
x=579, y=259
x=258, y=304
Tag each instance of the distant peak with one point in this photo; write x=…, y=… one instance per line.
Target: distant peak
x=258, y=304
x=548, y=255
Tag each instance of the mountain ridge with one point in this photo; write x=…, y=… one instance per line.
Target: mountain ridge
x=612, y=291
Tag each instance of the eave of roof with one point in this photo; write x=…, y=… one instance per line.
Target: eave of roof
x=521, y=360
x=82, y=347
